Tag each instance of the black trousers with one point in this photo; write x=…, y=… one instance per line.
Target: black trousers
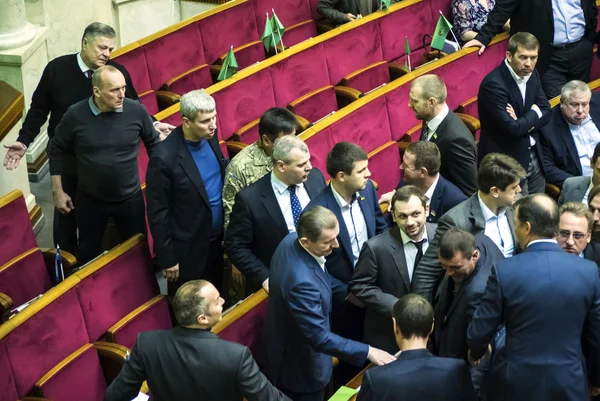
x=568, y=62
x=535, y=183
x=64, y=226
x=93, y=214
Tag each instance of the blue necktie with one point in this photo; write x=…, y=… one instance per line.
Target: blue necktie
x=296, y=206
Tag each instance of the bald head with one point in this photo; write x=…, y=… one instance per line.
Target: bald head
x=431, y=86
x=109, y=88
x=536, y=217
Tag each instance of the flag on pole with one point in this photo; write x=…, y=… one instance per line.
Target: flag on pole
x=386, y=3
x=267, y=36
x=58, y=266
x=442, y=28
x=407, y=52
x=229, y=67
x=277, y=28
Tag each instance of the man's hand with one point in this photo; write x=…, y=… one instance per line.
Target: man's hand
x=14, y=154
x=164, y=129
x=511, y=111
x=485, y=358
x=595, y=391
x=62, y=202
x=349, y=17
x=386, y=198
x=172, y=273
x=475, y=43
x=237, y=277
x=265, y=285
x=379, y=357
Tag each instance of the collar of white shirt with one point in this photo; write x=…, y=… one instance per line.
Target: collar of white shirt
x=320, y=259
x=487, y=212
x=338, y=198
x=431, y=189
x=435, y=122
x=517, y=78
x=577, y=126
x=549, y=240
x=82, y=66
x=280, y=186
x=406, y=239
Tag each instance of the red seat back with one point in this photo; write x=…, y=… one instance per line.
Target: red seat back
x=7, y=381
x=289, y=12
x=299, y=32
x=316, y=104
x=148, y=99
x=16, y=231
x=196, y=78
x=248, y=133
x=24, y=277
x=369, y=77
x=137, y=67
x=595, y=72
x=384, y=164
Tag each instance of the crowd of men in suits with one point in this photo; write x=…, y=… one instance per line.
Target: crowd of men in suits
x=505, y=275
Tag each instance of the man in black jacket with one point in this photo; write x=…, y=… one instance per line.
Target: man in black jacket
x=566, y=31
x=184, y=184
x=575, y=231
x=189, y=362
x=342, y=11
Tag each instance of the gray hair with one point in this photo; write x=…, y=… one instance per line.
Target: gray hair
x=431, y=86
x=312, y=222
x=284, y=145
x=194, y=102
x=571, y=87
x=189, y=302
x=95, y=29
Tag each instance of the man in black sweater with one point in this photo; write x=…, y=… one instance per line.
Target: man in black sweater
x=66, y=81
x=102, y=136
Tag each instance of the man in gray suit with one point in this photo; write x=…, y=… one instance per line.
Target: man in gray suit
x=576, y=189
x=488, y=211
x=189, y=362
x=387, y=262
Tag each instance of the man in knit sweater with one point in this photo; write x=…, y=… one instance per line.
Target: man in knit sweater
x=102, y=136
x=65, y=81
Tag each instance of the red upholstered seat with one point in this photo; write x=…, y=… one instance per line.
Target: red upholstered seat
x=148, y=99
x=248, y=133
x=16, y=232
x=289, y=12
x=195, y=78
x=300, y=32
x=77, y=377
x=384, y=163
x=595, y=72
x=24, y=277
x=316, y=104
x=369, y=77
x=152, y=315
x=7, y=381
x=135, y=62
x=247, y=54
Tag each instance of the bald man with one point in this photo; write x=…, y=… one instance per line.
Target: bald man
x=103, y=134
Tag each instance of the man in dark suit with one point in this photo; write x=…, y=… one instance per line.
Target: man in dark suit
x=568, y=141
x=444, y=128
x=566, y=30
x=298, y=340
x=342, y=11
x=189, y=362
x=387, y=263
x=416, y=374
x=577, y=189
x=266, y=211
x=420, y=167
x=184, y=184
x=513, y=107
x=552, y=323
x=575, y=231
x=488, y=211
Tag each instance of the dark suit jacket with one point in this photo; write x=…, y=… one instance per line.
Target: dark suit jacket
x=298, y=339
x=445, y=196
x=499, y=132
x=335, y=10
x=552, y=319
x=561, y=159
x=573, y=189
x=458, y=153
x=257, y=226
x=190, y=364
x=418, y=375
x=379, y=280
x=592, y=252
x=340, y=263
x=453, y=313
x=520, y=13
x=466, y=216
x=179, y=211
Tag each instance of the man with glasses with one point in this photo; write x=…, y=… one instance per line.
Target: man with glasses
x=575, y=232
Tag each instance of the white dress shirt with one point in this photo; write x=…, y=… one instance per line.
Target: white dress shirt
x=354, y=220
x=283, y=199
x=498, y=229
x=435, y=122
x=410, y=250
x=549, y=240
x=585, y=197
x=431, y=189
x=320, y=259
x=522, y=84
x=586, y=136
x=82, y=66
x=569, y=21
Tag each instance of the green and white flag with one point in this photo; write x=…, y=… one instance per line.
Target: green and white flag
x=441, y=31
x=407, y=53
x=267, y=36
x=229, y=67
x=278, y=29
x=386, y=4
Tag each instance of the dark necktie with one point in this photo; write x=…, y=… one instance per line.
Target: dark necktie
x=419, y=245
x=89, y=73
x=295, y=202
x=424, y=132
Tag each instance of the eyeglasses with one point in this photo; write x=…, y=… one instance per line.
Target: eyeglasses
x=577, y=235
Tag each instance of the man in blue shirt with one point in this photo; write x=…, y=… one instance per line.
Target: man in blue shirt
x=184, y=184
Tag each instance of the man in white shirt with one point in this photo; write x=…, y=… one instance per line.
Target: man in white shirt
x=513, y=107
x=568, y=141
x=387, y=263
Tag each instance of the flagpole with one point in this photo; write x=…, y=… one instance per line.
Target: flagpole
x=272, y=36
x=279, y=32
x=452, y=32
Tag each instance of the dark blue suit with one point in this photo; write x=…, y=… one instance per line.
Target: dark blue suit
x=418, y=376
x=561, y=159
x=549, y=301
x=298, y=339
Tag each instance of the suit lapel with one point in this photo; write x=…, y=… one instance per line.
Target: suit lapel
x=475, y=214
x=436, y=198
x=530, y=92
x=458, y=295
x=214, y=144
x=366, y=207
x=513, y=89
x=567, y=137
x=188, y=165
x=510, y=216
x=270, y=203
x=312, y=185
x=344, y=237
x=398, y=256
x=312, y=263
